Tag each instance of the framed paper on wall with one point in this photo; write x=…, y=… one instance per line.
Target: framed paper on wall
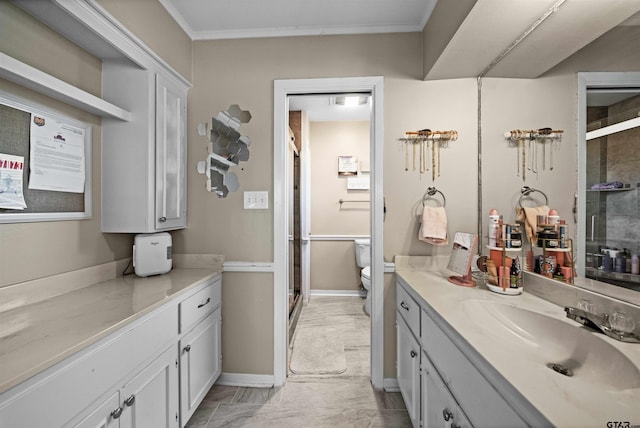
x=347, y=165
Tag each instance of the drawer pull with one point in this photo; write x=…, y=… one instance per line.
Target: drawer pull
x=413, y=355
x=116, y=413
x=129, y=401
x=205, y=303
x=447, y=415
x=187, y=348
x=404, y=306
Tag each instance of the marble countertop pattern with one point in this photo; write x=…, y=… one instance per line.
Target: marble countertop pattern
x=564, y=401
x=35, y=336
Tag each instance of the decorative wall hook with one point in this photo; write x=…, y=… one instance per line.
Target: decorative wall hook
x=420, y=141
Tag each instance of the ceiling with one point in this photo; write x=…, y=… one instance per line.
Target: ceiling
x=217, y=19
x=463, y=38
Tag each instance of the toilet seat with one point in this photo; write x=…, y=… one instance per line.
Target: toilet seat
x=366, y=272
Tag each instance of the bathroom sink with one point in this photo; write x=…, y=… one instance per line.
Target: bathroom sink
x=570, y=350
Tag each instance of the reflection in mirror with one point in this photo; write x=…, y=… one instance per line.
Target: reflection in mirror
x=609, y=233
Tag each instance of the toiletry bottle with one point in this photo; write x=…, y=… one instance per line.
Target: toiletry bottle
x=514, y=274
x=620, y=266
x=635, y=264
x=562, y=234
x=557, y=274
x=493, y=227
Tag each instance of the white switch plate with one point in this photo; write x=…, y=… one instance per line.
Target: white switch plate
x=256, y=200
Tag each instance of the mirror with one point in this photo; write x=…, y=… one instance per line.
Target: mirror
x=608, y=183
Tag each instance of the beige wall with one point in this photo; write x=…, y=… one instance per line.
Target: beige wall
x=247, y=323
x=333, y=264
x=149, y=21
x=34, y=250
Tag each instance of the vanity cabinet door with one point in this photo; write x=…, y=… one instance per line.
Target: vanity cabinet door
x=150, y=399
x=409, y=370
x=439, y=407
x=103, y=415
x=200, y=363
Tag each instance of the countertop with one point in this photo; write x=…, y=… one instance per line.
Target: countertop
x=564, y=401
x=36, y=336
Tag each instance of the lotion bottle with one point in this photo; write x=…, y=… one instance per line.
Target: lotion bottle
x=494, y=219
x=635, y=264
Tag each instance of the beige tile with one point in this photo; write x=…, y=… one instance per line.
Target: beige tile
x=258, y=396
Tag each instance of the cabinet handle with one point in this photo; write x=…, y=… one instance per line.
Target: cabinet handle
x=162, y=219
x=129, y=401
x=187, y=348
x=447, y=415
x=116, y=413
x=404, y=306
x=413, y=354
x=205, y=303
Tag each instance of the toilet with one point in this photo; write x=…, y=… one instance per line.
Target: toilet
x=363, y=260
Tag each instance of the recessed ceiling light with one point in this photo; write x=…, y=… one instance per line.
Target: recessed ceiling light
x=351, y=100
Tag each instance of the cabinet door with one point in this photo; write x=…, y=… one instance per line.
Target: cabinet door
x=150, y=399
x=171, y=147
x=409, y=370
x=106, y=415
x=200, y=363
x=439, y=408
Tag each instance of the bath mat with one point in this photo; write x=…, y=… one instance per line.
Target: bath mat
x=317, y=351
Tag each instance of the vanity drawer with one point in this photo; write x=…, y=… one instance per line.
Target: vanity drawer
x=408, y=309
x=465, y=382
x=199, y=305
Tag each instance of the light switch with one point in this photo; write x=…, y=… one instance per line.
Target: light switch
x=256, y=200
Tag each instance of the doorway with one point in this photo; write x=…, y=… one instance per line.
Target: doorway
x=282, y=90
x=329, y=209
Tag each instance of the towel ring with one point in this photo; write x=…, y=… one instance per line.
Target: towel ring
x=525, y=191
x=431, y=191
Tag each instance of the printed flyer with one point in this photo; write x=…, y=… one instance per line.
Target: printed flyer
x=11, y=177
x=57, y=156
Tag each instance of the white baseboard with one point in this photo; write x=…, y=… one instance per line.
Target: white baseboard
x=246, y=380
x=339, y=293
x=391, y=384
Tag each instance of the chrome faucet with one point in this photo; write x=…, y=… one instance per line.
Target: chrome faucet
x=619, y=326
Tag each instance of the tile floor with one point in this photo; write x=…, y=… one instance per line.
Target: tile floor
x=309, y=401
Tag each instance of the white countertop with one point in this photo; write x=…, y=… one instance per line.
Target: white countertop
x=36, y=336
x=564, y=401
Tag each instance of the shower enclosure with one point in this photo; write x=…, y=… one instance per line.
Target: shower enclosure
x=612, y=179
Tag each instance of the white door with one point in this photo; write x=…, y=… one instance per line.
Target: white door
x=106, y=415
x=171, y=111
x=151, y=398
x=409, y=370
x=200, y=363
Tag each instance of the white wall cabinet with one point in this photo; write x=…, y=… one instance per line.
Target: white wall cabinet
x=144, y=160
x=445, y=390
x=135, y=377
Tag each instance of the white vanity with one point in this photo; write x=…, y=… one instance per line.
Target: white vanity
x=127, y=352
x=471, y=357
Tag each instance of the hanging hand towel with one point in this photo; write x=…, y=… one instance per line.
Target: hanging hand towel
x=529, y=216
x=433, y=227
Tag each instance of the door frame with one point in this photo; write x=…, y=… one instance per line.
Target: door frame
x=282, y=89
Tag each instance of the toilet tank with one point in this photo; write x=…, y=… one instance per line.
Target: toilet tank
x=363, y=252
